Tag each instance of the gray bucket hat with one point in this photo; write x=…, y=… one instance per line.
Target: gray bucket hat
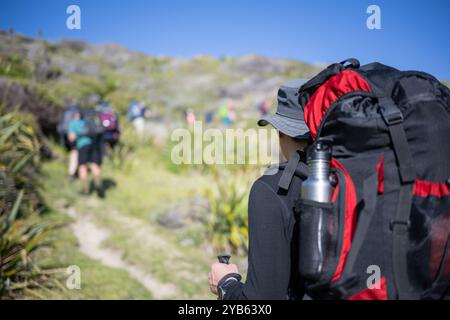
x=289, y=115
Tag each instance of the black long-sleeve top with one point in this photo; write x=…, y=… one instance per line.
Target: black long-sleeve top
x=272, y=259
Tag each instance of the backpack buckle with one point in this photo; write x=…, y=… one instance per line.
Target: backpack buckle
x=394, y=223
x=392, y=118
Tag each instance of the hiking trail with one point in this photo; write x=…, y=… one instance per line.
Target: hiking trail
x=90, y=238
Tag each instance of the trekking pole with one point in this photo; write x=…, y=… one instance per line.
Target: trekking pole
x=224, y=258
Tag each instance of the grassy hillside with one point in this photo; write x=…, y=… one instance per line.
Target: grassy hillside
x=56, y=72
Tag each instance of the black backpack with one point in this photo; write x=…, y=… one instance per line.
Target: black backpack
x=390, y=211
x=94, y=126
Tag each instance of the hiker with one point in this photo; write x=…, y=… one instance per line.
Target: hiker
x=232, y=116
x=371, y=217
x=223, y=114
x=136, y=114
x=190, y=116
x=227, y=113
x=148, y=112
x=110, y=122
x=63, y=126
x=271, y=259
x=89, y=147
x=264, y=107
x=209, y=117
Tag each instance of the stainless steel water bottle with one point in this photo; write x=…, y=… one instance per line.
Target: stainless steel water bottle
x=316, y=213
x=317, y=186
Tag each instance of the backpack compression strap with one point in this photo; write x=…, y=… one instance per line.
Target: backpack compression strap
x=295, y=166
x=400, y=225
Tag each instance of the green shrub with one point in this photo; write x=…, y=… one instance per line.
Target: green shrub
x=15, y=66
x=20, y=202
x=227, y=226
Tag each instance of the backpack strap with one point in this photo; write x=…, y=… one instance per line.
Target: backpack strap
x=354, y=63
x=330, y=71
x=295, y=166
x=394, y=120
x=400, y=225
x=341, y=288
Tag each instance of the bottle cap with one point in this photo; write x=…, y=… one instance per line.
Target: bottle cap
x=321, y=150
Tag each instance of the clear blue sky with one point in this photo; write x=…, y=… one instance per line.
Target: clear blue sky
x=414, y=35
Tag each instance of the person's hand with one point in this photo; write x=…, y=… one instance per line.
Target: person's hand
x=218, y=271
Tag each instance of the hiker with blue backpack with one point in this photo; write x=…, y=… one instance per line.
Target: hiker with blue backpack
x=136, y=114
x=86, y=132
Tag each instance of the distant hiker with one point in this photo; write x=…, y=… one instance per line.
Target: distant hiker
x=68, y=115
x=232, y=116
x=134, y=110
x=264, y=108
x=209, y=117
x=86, y=131
x=148, y=113
x=110, y=122
x=223, y=114
x=136, y=114
x=227, y=113
x=190, y=116
x=272, y=259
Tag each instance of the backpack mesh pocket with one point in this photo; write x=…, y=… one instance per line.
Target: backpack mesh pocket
x=318, y=240
x=429, y=250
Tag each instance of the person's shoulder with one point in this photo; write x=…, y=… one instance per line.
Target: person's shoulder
x=272, y=175
x=271, y=178
x=268, y=182
x=268, y=200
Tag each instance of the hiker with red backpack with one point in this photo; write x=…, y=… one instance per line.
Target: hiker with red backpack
x=373, y=212
x=110, y=122
x=272, y=271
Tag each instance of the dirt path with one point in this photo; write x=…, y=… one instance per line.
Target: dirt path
x=90, y=238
